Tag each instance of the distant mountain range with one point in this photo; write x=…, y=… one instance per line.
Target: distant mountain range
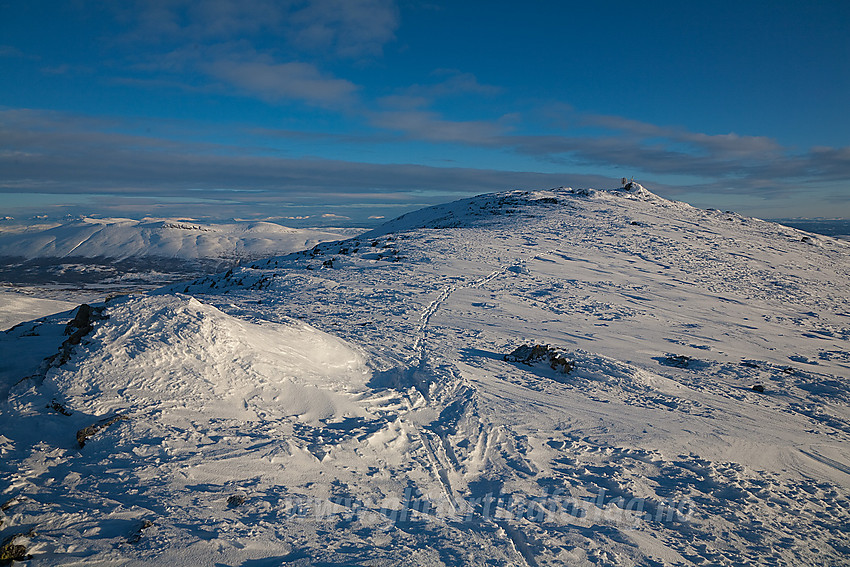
x=838, y=228
x=120, y=239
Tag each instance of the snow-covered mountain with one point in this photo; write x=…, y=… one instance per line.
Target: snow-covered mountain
x=526, y=378
x=120, y=239
x=94, y=258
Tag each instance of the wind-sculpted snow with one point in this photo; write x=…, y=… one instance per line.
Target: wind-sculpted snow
x=174, y=352
x=368, y=402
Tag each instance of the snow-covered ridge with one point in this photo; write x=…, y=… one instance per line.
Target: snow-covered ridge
x=165, y=238
x=487, y=207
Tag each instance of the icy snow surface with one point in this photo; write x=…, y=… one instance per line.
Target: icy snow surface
x=352, y=404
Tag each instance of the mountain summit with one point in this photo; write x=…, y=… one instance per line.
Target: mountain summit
x=560, y=377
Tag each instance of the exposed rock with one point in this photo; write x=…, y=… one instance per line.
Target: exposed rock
x=82, y=318
x=81, y=325
x=677, y=360
x=546, y=201
x=77, y=328
x=235, y=500
x=758, y=388
x=86, y=433
x=10, y=551
x=137, y=535
x=12, y=502
x=59, y=408
x=557, y=359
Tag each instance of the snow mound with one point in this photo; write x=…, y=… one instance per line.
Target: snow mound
x=639, y=190
x=173, y=353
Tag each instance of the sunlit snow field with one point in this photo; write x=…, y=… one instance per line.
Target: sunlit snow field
x=379, y=400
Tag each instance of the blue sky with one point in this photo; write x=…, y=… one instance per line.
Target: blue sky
x=338, y=111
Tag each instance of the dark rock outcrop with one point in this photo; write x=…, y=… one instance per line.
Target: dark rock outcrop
x=557, y=359
x=235, y=501
x=86, y=433
x=11, y=551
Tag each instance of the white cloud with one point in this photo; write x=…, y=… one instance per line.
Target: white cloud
x=67, y=154
x=455, y=83
x=59, y=153
x=262, y=48
x=346, y=28
x=15, y=53
x=349, y=28
x=430, y=126
x=277, y=81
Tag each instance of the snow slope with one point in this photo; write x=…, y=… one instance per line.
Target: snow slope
x=353, y=404
x=165, y=238
x=17, y=307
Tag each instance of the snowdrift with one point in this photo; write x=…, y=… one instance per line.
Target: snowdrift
x=172, y=353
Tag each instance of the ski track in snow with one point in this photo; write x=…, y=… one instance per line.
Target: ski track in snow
x=350, y=404
x=441, y=464
x=425, y=318
x=827, y=461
